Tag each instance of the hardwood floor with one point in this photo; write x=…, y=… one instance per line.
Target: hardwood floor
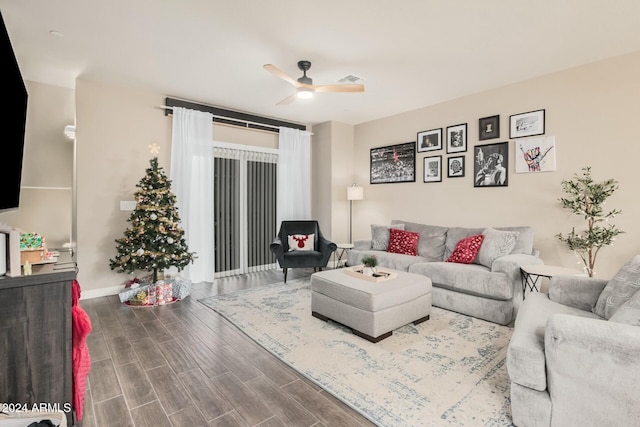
x=184, y=365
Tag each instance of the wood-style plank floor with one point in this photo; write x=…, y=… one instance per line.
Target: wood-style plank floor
x=184, y=365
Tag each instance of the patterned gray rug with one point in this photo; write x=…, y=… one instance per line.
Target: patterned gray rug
x=448, y=371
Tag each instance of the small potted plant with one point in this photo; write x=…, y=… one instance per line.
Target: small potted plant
x=370, y=262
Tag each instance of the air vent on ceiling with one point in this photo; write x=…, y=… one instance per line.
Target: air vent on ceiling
x=351, y=79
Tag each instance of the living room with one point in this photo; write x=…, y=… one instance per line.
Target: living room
x=590, y=109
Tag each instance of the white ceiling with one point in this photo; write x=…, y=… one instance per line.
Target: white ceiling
x=411, y=53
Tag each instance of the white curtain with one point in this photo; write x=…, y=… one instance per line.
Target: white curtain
x=192, y=182
x=294, y=175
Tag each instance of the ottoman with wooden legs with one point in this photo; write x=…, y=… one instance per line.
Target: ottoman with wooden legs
x=371, y=309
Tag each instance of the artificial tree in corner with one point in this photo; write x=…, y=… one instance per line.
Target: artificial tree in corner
x=586, y=198
x=155, y=240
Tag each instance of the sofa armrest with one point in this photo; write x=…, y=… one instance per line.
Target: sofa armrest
x=277, y=248
x=362, y=245
x=593, y=371
x=326, y=245
x=580, y=292
x=510, y=266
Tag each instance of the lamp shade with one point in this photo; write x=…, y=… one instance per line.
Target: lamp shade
x=355, y=193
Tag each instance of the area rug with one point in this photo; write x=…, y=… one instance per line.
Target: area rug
x=447, y=371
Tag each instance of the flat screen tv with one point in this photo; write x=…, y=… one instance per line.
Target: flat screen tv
x=13, y=117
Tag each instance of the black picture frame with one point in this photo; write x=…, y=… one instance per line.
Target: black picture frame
x=455, y=166
x=491, y=165
x=489, y=128
x=457, y=138
x=432, y=169
x=526, y=124
x=429, y=140
x=393, y=163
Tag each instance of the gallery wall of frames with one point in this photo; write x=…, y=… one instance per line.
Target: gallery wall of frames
x=444, y=151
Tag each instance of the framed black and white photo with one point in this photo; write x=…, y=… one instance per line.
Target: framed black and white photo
x=455, y=167
x=457, y=138
x=433, y=169
x=393, y=163
x=429, y=140
x=489, y=128
x=526, y=124
x=491, y=165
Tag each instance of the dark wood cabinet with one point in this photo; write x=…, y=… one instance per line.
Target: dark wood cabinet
x=35, y=338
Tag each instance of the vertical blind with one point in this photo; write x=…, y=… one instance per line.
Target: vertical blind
x=245, y=210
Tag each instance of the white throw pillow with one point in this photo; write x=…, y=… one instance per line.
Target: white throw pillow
x=380, y=235
x=496, y=244
x=301, y=242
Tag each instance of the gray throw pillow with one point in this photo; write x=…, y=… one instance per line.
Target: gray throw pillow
x=495, y=245
x=619, y=289
x=380, y=235
x=629, y=312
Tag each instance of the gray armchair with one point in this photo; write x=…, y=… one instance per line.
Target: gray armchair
x=573, y=357
x=317, y=258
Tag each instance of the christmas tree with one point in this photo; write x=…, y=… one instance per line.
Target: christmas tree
x=155, y=240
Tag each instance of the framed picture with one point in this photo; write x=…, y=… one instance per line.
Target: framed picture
x=394, y=163
x=429, y=140
x=433, y=169
x=455, y=167
x=536, y=154
x=491, y=165
x=489, y=128
x=457, y=138
x=526, y=124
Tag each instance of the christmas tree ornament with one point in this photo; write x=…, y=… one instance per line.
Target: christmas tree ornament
x=153, y=217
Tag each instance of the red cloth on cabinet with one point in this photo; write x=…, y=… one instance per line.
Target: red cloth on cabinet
x=81, y=361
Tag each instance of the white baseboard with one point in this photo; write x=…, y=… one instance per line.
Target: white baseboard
x=102, y=292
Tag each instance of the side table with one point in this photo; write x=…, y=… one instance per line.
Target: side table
x=531, y=274
x=340, y=255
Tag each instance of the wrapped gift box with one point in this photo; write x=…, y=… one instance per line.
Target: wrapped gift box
x=178, y=288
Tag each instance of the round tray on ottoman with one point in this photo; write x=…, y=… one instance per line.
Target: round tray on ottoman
x=371, y=309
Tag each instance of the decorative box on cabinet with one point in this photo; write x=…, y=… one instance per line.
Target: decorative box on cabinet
x=35, y=338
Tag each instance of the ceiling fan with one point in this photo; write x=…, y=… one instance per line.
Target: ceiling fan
x=304, y=85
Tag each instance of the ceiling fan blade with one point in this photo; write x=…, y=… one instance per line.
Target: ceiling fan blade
x=289, y=99
x=278, y=72
x=339, y=88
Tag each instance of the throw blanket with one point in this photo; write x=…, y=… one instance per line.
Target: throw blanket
x=80, y=353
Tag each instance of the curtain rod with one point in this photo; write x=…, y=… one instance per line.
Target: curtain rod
x=166, y=107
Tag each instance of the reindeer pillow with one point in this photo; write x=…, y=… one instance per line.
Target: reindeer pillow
x=301, y=242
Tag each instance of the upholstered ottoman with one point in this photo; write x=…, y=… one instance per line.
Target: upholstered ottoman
x=371, y=309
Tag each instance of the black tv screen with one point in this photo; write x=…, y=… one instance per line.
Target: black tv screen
x=12, y=122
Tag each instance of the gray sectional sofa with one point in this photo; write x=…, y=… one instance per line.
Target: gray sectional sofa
x=573, y=358
x=483, y=291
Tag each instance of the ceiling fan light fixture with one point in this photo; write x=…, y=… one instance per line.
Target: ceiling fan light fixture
x=304, y=93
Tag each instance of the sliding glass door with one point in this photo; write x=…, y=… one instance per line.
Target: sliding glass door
x=245, y=210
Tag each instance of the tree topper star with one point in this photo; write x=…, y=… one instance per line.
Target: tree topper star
x=155, y=149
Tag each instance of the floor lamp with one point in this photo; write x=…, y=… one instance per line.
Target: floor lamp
x=353, y=193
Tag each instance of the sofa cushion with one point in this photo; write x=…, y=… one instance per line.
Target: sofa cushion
x=619, y=289
x=524, y=243
x=431, y=244
x=399, y=262
x=466, y=278
x=466, y=250
x=629, y=312
x=380, y=236
x=525, y=355
x=403, y=242
x=496, y=244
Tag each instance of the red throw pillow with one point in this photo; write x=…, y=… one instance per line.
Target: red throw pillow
x=403, y=242
x=466, y=250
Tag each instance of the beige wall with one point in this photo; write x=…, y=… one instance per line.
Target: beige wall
x=332, y=159
x=592, y=111
x=48, y=162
